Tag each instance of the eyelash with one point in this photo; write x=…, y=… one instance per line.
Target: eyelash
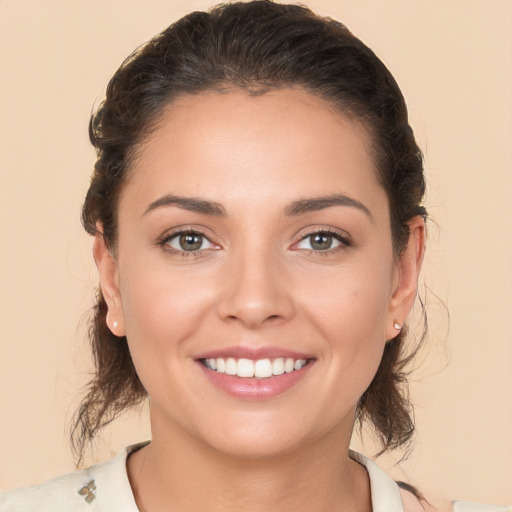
x=165, y=239
x=164, y=242
x=340, y=237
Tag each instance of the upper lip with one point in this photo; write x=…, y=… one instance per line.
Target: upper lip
x=254, y=353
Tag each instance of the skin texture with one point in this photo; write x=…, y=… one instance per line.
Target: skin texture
x=255, y=282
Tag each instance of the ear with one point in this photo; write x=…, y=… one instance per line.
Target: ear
x=408, y=266
x=108, y=271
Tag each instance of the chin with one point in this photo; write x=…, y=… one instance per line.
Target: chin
x=264, y=436
x=252, y=447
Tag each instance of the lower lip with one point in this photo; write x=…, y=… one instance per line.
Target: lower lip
x=255, y=389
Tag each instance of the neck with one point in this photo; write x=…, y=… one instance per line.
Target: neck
x=177, y=473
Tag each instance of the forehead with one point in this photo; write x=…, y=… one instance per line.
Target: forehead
x=232, y=146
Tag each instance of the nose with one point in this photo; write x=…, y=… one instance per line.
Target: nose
x=256, y=291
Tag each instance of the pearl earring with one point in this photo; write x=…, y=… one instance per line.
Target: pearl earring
x=397, y=326
x=115, y=324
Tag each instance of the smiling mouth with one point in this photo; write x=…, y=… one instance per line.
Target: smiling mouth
x=259, y=369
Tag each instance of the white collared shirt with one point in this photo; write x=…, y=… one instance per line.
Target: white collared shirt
x=105, y=488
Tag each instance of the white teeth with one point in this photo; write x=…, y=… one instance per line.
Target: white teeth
x=231, y=366
x=278, y=366
x=221, y=365
x=299, y=364
x=263, y=368
x=247, y=368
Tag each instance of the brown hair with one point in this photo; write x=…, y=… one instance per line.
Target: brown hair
x=255, y=46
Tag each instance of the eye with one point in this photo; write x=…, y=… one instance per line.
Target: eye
x=322, y=241
x=188, y=241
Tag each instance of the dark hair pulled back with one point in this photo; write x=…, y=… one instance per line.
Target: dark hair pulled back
x=255, y=46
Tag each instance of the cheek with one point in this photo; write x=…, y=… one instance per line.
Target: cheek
x=158, y=300
x=350, y=300
x=351, y=315
x=162, y=310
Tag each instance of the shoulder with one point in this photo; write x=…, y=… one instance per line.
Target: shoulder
x=388, y=494
x=469, y=506
x=70, y=492
x=412, y=504
x=104, y=487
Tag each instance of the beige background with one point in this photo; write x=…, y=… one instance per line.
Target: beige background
x=453, y=60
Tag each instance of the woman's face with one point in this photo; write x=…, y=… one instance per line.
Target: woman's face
x=254, y=236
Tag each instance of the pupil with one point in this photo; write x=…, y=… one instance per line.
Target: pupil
x=191, y=242
x=321, y=241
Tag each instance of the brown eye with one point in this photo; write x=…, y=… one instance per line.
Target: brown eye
x=321, y=241
x=189, y=242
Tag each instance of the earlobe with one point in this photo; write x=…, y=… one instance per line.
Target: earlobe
x=408, y=269
x=108, y=273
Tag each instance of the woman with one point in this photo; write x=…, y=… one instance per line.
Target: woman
x=258, y=230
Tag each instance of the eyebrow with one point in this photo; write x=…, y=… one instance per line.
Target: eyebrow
x=299, y=207
x=192, y=204
x=302, y=206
